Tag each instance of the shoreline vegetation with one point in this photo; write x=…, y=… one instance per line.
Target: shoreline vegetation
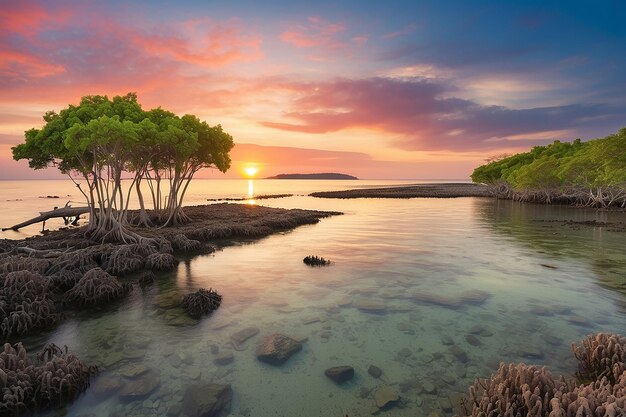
x=582, y=174
x=316, y=176
x=64, y=269
x=443, y=190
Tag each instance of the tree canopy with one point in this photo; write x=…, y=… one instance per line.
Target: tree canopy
x=592, y=172
x=101, y=139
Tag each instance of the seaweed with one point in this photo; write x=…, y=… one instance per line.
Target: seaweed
x=315, y=261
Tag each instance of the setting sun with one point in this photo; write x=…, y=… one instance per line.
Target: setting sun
x=251, y=171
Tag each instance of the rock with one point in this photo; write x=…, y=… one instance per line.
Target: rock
x=474, y=297
x=448, y=379
x=240, y=337
x=460, y=371
x=106, y=385
x=531, y=351
x=174, y=410
x=404, y=353
x=552, y=340
x=206, y=399
x=370, y=306
x=473, y=340
x=477, y=329
x=276, y=348
x=386, y=397
x=134, y=370
x=374, y=371
x=445, y=405
x=458, y=353
x=364, y=392
x=140, y=387
x=224, y=358
x=429, y=387
x=447, y=340
x=311, y=320
x=340, y=374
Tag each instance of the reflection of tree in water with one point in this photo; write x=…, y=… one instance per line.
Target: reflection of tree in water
x=560, y=232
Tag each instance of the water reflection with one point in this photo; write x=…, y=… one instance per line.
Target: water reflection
x=401, y=295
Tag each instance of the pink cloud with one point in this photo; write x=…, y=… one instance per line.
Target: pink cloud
x=406, y=31
x=317, y=32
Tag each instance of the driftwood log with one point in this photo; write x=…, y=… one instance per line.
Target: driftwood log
x=66, y=211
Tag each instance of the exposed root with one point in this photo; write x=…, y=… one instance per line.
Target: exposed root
x=96, y=287
x=201, y=302
x=23, y=263
x=161, y=262
x=126, y=259
x=182, y=243
x=25, y=303
x=55, y=378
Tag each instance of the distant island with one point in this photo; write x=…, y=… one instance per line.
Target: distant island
x=318, y=176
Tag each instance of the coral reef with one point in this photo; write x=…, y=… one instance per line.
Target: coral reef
x=514, y=390
x=96, y=287
x=600, y=355
x=161, y=262
x=315, y=261
x=201, y=302
x=126, y=259
x=54, y=378
x=529, y=391
x=26, y=303
x=146, y=278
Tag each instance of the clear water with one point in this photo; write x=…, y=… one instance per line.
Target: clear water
x=548, y=285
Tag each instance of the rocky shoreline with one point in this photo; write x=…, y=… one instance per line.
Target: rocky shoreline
x=445, y=190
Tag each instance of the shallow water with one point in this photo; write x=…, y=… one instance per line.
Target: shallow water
x=547, y=285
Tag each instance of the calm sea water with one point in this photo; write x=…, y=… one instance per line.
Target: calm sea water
x=548, y=285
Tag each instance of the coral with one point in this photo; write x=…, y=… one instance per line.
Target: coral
x=315, y=261
x=182, y=243
x=161, y=262
x=57, y=376
x=201, y=302
x=600, y=355
x=598, y=399
x=96, y=287
x=514, y=390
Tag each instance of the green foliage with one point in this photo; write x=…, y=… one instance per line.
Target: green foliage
x=596, y=163
x=101, y=138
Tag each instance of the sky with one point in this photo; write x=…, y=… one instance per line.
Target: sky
x=377, y=89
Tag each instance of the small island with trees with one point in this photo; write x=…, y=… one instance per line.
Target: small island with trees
x=316, y=176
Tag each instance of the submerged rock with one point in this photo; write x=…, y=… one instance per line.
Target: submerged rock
x=374, y=371
x=459, y=353
x=107, y=385
x=240, y=337
x=386, y=397
x=370, y=306
x=473, y=340
x=224, y=358
x=340, y=374
x=206, y=399
x=140, y=387
x=276, y=348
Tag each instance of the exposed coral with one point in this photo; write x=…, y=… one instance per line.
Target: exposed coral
x=597, y=399
x=56, y=377
x=600, y=355
x=514, y=390
x=201, y=302
x=315, y=261
x=161, y=262
x=96, y=287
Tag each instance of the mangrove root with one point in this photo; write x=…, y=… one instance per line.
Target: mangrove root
x=201, y=302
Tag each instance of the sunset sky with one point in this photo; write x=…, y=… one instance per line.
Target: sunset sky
x=386, y=89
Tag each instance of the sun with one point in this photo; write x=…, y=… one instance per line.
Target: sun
x=251, y=171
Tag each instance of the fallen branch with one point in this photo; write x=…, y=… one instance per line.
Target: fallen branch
x=66, y=211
